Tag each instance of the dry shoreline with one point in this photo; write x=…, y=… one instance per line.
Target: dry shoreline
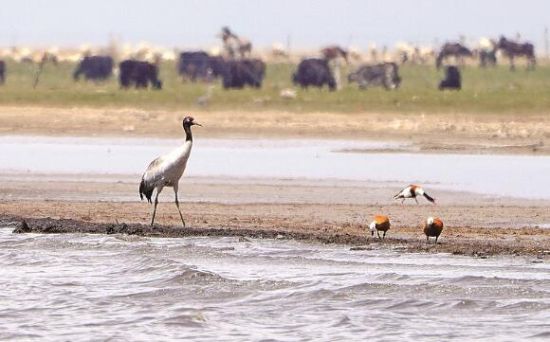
x=437, y=133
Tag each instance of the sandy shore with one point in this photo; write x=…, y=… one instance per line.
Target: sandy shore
x=337, y=212
x=461, y=133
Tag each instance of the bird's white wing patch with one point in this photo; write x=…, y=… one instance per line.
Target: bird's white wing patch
x=372, y=226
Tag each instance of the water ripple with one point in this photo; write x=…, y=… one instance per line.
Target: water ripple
x=85, y=287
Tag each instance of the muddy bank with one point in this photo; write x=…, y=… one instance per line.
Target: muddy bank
x=507, y=133
x=478, y=247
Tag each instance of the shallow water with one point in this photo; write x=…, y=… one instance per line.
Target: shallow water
x=95, y=287
x=502, y=175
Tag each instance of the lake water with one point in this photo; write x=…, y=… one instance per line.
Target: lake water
x=76, y=287
x=501, y=175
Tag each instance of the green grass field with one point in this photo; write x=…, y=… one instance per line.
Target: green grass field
x=484, y=91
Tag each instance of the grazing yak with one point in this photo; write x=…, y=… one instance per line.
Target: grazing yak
x=194, y=65
x=456, y=50
x=138, y=74
x=2, y=72
x=452, y=79
x=383, y=74
x=239, y=73
x=314, y=72
x=512, y=49
x=96, y=68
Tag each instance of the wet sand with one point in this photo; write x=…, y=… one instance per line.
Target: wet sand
x=438, y=133
x=336, y=212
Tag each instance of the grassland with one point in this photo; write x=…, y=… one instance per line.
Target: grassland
x=484, y=91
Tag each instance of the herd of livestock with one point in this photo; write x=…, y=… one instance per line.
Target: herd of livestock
x=236, y=68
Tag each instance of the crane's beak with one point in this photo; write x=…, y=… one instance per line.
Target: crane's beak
x=197, y=124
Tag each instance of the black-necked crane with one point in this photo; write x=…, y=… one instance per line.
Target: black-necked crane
x=166, y=170
x=380, y=223
x=433, y=228
x=412, y=191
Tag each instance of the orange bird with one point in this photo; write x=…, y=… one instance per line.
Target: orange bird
x=412, y=191
x=433, y=227
x=380, y=223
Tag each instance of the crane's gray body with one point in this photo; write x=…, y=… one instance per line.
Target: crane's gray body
x=166, y=171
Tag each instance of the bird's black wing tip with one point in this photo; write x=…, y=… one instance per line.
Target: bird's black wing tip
x=429, y=198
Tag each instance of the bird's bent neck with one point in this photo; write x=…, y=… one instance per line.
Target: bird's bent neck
x=188, y=134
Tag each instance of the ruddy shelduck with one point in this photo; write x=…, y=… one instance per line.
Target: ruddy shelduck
x=380, y=223
x=412, y=191
x=433, y=228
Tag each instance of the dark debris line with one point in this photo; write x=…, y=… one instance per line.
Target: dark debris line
x=476, y=248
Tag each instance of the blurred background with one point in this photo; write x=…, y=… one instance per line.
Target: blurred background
x=42, y=44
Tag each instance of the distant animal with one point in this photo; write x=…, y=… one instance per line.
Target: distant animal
x=234, y=45
x=49, y=57
x=94, y=68
x=198, y=65
x=193, y=65
x=433, y=228
x=380, y=223
x=452, y=79
x=138, y=74
x=512, y=49
x=166, y=171
x=487, y=58
x=314, y=72
x=412, y=191
x=383, y=74
x=2, y=72
x=216, y=66
x=288, y=94
x=332, y=52
x=240, y=73
x=456, y=50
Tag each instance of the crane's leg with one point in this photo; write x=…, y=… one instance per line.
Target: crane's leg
x=416, y=200
x=155, y=205
x=178, y=205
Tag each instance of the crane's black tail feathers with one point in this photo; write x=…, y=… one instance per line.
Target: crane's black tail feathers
x=429, y=198
x=144, y=190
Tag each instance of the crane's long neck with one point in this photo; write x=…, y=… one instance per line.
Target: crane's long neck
x=188, y=133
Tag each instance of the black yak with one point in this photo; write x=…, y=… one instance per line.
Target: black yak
x=457, y=50
x=314, y=72
x=2, y=72
x=239, y=73
x=452, y=79
x=512, y=49
x=138, y=74
x=94, y=68
x=194, y=65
